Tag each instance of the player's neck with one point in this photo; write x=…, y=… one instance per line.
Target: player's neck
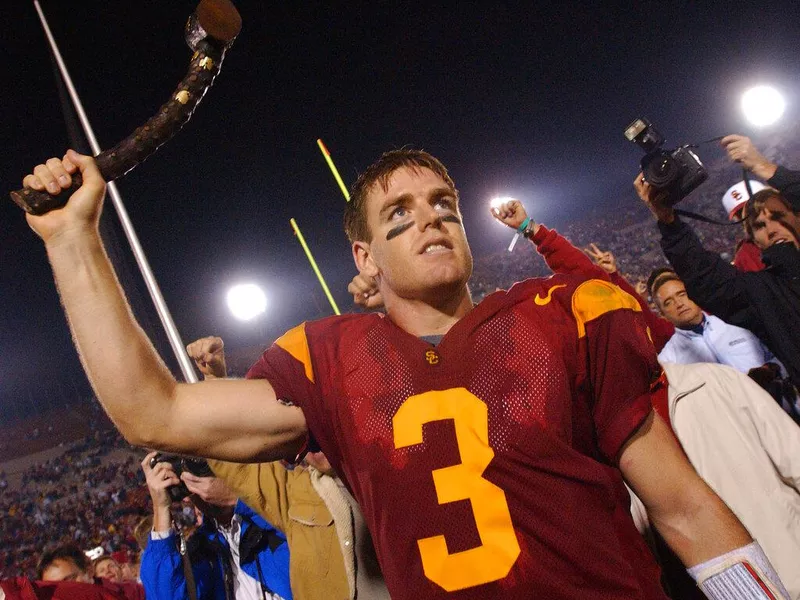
x=423, y=318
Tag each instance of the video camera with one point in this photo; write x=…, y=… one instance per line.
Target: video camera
x=195, y=466
x=678, y=172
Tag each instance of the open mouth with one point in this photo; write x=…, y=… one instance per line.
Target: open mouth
x=436, y=247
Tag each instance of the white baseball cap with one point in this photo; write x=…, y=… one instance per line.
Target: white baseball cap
x=736, y=196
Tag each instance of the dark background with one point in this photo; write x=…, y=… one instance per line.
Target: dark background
x=517, y=99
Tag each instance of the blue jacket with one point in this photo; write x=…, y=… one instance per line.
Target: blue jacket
x=264, y=555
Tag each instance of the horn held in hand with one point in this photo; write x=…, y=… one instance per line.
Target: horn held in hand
x=209, y=32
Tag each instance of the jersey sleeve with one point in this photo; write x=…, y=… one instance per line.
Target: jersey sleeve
x=661, y=330
x=288, y=368
x=621, y=362
x=562, y=257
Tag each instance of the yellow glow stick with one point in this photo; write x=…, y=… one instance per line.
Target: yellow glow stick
x=314, y=266
x=335, y=172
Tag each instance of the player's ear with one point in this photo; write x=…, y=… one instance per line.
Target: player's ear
x=362, y=255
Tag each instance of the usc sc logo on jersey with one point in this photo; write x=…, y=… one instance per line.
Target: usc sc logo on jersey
x=431, y=357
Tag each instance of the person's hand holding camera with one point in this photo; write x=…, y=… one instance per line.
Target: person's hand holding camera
x=211, y=490
x=160, y=477
x=208, y=354
x=741, y=150
x=656, y=200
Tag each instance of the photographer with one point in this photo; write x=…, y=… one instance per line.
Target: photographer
x=234, y=554
x=740, y=149
x=765, y=302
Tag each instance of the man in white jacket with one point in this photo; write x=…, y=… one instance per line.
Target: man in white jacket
x=748, y=450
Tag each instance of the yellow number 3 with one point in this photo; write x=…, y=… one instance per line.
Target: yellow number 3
x=499, y=549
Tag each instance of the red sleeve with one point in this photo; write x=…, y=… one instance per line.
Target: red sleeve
x=661, y=330
x=562, y=257
x=288, y=367
x=621, y=362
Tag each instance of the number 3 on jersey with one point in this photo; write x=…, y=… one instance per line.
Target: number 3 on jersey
x=499, y=549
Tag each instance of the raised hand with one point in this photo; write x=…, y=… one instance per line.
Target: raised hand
x=365, y=291
x=655, y=200
x=208, y=354
x=211, y=490
x=511, y=213
x=741, y=150
x=81, y=214
x=604, y=259
x=159, y=478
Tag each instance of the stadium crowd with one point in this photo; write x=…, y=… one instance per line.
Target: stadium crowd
x=245, y=522
x=77, y=497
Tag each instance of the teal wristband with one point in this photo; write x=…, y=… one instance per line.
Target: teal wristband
x=524, y=225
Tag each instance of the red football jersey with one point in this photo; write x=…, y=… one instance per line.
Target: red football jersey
x=484, y=464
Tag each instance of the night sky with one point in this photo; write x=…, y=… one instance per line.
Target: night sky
x=528, y=100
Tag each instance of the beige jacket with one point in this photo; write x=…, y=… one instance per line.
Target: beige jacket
x=315, y=516
x=748, y=450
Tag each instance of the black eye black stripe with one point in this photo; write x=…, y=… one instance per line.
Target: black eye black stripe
x=393, y=233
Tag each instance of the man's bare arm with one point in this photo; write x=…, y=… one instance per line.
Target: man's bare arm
x=229, y=420
x=693, y=520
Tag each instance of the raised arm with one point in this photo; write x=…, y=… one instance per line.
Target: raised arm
x=741, y=150
x=134, y=386
x=559, y=254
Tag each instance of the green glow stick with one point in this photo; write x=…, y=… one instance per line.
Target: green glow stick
x=335, y=172
x=314, y=266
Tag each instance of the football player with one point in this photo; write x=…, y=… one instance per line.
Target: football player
x=487, y=445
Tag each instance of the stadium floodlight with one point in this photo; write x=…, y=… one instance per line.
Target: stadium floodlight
x=762, y=105
x=246, y=301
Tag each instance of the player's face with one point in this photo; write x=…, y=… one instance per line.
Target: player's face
x=418, y=248
x=62, y=569
x=676, y=305
x=775, y=225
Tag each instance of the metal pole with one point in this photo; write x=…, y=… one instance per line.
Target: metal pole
x=144, y=267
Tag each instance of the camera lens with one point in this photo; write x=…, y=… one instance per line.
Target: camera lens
x=660, y=169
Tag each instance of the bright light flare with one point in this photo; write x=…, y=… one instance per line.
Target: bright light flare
x=246, y=301
x=762, y=105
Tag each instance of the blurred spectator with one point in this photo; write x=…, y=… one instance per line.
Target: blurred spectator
x=107, y=568
x=68, y=568
x=747, y=256
x=233, y=554
x=64, y=563
x=142, y=531
x=49, y=504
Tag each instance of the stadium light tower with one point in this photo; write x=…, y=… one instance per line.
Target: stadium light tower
x=246, y=301
x=762, y=105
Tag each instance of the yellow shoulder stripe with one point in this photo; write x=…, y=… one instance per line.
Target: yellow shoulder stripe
x=595, y=298
x=295, y=343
